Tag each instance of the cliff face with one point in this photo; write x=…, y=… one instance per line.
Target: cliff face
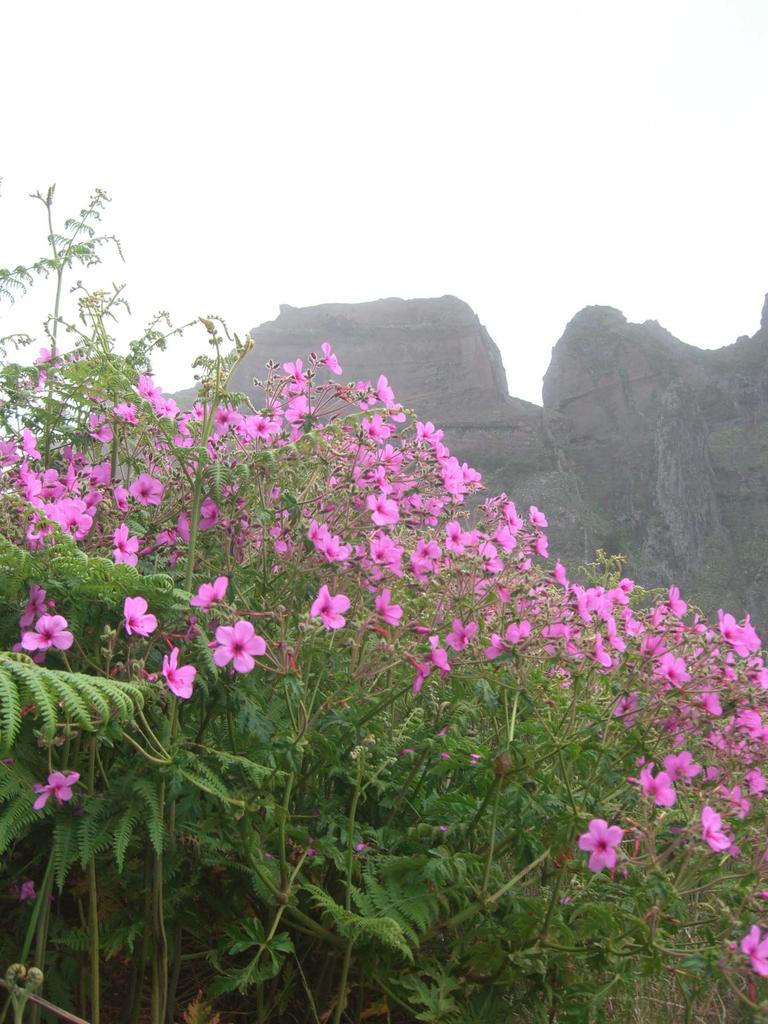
x=670, y=444
x=644, y=446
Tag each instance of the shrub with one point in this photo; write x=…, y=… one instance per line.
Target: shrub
x=282, y=721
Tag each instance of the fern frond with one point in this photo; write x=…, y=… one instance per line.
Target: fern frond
x=10, y=710
x=205, y=779
x=385, y=931
x=92, y=837
x=124, y=833
x=149, y=793
x=16, y=817
x=89, y=701
x=64, y=848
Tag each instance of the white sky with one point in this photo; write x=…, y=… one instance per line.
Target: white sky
x=530, y=158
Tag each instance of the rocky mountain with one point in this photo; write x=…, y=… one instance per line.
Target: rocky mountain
x=669, y=444
x=644, y=445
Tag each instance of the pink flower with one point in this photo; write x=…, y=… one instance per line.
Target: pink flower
x=146, y=387
x=376, y=429
x=676, y=605
x=506, y=539
x=126, y=547
x=384, y=511
x=710, y=701
x=438, y=655
x=601, y=656
x=560, y=575
x=456, y=538
x=537, y=518
x=209, y=515
x=681, y=766
x=26, y=891
x=121, y=498
x=740, y=804
x=59, y=785
x=496, y=647
x=673, y=669
x=743, y=639
x=329, y=608
x=29, y=444
x=601, y=840
x=72, y=516
x=136, y=618
x=35, y=606
x=147, y=490
x=625, y=708
x=614, y=639
x=756, y=782
x=50, y=631
x=330, y=360
x=178, y=677
x=755, y=946
x=384, y=392
x=126, y=411
x=390, y=613
x=660, y=788
x=460, y=634
x=711, y=831
x=209, y=594
x=426, y=432
x=226, y=417
x=238, y=644
x=515, y=632
x=100, y=430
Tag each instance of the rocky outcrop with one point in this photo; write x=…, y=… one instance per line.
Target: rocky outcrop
x=670, y=445
x=645, y=446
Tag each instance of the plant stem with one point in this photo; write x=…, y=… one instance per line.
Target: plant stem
x=93, y=904
x=283, y=821
x=494, y=817
x=341, y=999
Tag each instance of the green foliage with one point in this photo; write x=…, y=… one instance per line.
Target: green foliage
x=367, y=927
x=88, y=702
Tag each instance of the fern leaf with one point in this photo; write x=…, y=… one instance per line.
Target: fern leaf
x=124, y=834
x=92, y=837
x=16, y=817
x=10, y=711
x=384, y=931
x=148, y=791
x=64, y=848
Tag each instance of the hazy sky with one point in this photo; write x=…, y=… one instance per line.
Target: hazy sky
x=531, y=158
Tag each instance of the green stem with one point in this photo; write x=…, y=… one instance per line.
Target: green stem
x=341, y=999
x=160, y=960
x=476, y=907
x=552, y=901
x=93, y=905
x=93, y=936
x=382, y=705
x=406, y=785
x=57, y=304
x=283, y=822
x=494, y=817
x=41, y=935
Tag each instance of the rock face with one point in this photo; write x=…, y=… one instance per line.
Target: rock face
x=670, y=443
x=645, y=446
